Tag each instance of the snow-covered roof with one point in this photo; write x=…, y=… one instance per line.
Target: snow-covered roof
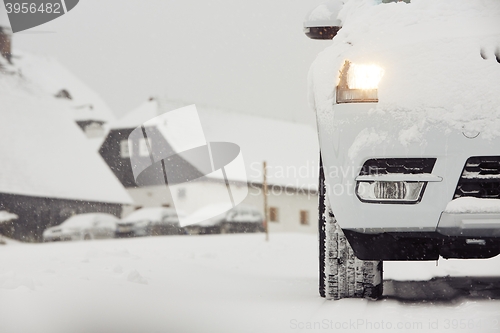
x=290, y=149
x=44, y=152
x=52, y=77
x=4, y=19
x=144, y=112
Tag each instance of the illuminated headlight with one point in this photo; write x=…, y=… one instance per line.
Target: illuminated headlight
x=359, y=83
x=386, y=192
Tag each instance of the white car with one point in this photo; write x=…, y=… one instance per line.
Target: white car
x=240, y=219
x=83, y=227
x=407, y=101
x=150, y=221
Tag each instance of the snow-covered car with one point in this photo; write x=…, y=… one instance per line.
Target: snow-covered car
x=150, y=221
x=83, y=227
x=407, y=101
x=241, y=219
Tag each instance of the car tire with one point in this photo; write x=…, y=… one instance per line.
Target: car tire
x=341, y=274
x=225, y=228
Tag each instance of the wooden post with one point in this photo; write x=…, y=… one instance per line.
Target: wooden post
x=266, y=210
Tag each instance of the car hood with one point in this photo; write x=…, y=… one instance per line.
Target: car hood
x=441, y=64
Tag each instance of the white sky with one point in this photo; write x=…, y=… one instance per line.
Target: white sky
x=246, y=56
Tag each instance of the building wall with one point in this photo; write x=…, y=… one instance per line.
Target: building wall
x=289, y=204
x=37, y=214
x=195, y=195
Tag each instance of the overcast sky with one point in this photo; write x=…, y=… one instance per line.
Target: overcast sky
x=244, y=56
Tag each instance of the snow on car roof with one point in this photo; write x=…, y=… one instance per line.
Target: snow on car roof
x=82, y=220
x=154, y=213
x=440, y=61
x=290, y=149
x=45, y=153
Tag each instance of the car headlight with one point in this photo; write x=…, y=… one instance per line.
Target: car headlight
x=390, y=191
x=359, y=83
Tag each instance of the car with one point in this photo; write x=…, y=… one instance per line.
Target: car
x=151, y=221
x=240, y=219
x=83, y=227
x=406, y=102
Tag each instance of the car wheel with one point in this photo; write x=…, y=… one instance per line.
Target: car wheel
x=149, y=230
x=341, y=274
x=225, y=229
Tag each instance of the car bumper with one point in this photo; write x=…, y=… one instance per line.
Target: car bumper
x=131, y=233
x=354, y=133
x=420, y=246
x=470, y=225
x=61, y=238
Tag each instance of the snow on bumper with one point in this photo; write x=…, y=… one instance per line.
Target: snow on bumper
x=470, y=225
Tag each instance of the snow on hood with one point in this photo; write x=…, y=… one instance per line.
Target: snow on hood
x=440, y=61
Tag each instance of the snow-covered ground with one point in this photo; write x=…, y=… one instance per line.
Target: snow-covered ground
x=228, y=283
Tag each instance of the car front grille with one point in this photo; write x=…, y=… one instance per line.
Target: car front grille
x=384, y=166
x=480, y=178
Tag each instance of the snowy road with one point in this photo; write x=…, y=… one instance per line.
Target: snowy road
x=228, y=283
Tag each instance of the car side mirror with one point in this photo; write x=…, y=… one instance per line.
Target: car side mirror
x=322, y=21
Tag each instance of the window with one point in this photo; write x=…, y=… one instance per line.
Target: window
x=273, y=214
x=143, y=147
x=125, y=150
x=304, y=217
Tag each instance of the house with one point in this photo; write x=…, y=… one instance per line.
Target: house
x=49, y=171
x=290, y=150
